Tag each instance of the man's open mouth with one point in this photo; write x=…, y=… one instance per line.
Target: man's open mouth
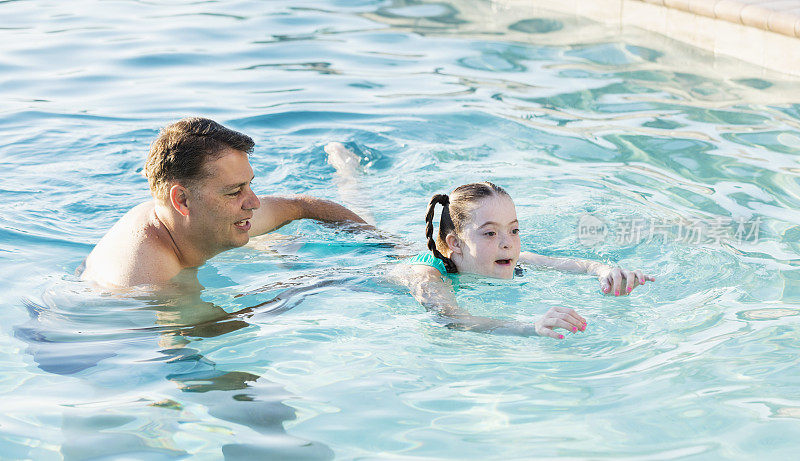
x=244, y=224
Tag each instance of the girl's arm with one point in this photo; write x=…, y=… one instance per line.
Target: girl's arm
x=436, y=294
x=611, y=278
x=577, y=266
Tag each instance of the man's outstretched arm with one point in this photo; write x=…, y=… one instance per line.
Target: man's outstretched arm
x=275, y=212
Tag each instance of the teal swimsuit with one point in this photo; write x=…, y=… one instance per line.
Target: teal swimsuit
x=428, y=259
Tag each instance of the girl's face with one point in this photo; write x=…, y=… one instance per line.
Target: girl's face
x=489, y=244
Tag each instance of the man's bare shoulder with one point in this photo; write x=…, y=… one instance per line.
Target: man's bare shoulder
x=137, y=250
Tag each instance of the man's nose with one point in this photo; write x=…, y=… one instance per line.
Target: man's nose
x=252, y=202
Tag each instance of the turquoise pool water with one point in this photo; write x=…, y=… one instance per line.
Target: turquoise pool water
x=328, y=359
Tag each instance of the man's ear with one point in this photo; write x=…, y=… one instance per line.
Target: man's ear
x=179, y=198
x=453, y=242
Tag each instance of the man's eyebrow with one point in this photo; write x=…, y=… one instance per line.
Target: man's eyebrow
x=236, y=186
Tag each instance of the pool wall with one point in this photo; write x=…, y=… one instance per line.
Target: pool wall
x=765, y=33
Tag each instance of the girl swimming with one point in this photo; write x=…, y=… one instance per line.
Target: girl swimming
x=479, y=234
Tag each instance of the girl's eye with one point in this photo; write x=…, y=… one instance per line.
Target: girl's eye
x=515, y=231
x=490, y=234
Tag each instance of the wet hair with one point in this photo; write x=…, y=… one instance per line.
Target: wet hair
x=182, y=148
x=456, y=211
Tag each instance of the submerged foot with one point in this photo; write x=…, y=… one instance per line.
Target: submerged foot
x=346, y=162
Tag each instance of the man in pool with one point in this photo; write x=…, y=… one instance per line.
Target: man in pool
x=199, y=176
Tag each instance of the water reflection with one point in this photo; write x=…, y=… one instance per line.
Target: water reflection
x=109, y=344
x=441, y=13
x=537, y=25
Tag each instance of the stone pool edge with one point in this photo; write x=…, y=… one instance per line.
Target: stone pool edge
x=764, y=33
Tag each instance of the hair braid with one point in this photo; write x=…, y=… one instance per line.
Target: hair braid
x=445, y=201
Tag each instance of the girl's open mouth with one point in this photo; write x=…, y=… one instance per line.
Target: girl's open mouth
x=503, y=262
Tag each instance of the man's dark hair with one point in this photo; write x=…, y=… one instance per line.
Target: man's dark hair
x=181, y=149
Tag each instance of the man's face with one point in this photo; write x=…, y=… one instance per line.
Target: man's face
x=222, y=204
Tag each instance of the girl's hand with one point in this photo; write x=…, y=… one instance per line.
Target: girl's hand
x=559, y=317
x=621, y=281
